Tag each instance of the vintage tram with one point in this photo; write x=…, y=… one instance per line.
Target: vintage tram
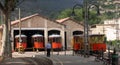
x=55, y=41
x=96, y=43
x=21, y=44
x=38, y=41
x=77, y=42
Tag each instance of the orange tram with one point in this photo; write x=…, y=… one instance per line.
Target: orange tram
x=38, y=41
x=21, y=44
x=96, y=43
x=55, y=41
x=77, y=42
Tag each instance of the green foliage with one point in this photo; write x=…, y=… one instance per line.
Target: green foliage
x=78, y=15
x=114, y=42
x=64, y=14
x=109, y=15
x=110, y=6
x=93, y=17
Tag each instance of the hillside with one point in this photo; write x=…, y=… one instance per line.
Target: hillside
x=44, y=7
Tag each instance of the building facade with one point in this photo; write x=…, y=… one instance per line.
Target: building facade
x=72, y=28
x=111, y=29
x=41, y=25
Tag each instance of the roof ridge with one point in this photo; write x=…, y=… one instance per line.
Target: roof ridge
x=24, y=18
x=63, y=19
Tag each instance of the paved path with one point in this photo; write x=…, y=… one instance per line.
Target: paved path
x=74, y=60
x=62, y=58
x=13, y=61
x=58, y=58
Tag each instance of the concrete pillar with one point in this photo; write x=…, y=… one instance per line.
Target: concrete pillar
x=46, y=32
x=69, y=39
x=63, y=37
x=12, y=39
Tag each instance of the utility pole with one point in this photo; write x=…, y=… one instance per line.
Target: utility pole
x=117, y=24
x=19, y=29
x=86, y=7
x=86, y=52
x=117, y=27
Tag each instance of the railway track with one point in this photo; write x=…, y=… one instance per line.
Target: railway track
x=27, y=61
x=56, y=61
x=38, y=61
x=30, y=61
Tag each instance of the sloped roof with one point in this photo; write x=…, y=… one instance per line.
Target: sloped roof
x=28, y=17
x=22, y=19
x=68, y=18
x=62, y=20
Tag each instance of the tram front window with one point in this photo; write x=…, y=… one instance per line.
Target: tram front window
x=77, y=40
x=56, y=40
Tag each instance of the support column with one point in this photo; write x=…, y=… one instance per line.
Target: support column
x=12, y=39
x=63, y=37
x=46, y=32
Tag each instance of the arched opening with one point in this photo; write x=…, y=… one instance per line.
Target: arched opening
x=77, y=32
x=28, y=34
x=53, y=32
x=55, y=39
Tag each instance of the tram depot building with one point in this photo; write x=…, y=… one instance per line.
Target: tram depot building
x=36, y=24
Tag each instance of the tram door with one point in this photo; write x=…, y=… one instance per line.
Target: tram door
x=55, y=40
x=22, y=43
x=77, y=42
x=38, y=41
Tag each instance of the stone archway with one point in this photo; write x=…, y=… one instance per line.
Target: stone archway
x=77, y=32
x=50, y=32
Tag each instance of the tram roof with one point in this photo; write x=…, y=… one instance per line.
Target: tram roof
x=21, y=36
x=54, y=35
x=37, y=35
x=96, y=35
x=78, y=35
x=91, y=35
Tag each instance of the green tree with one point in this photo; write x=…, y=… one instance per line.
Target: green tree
x=64, y=14
x=7, y=6
x=93, y=18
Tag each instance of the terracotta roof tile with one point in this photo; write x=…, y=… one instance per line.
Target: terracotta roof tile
x=62, y=20
x=22, y=19
x=28, y=17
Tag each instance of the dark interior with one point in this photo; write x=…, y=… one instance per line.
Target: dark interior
x=77, y=32
x=29, y=34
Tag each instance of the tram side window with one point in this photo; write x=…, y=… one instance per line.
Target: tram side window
x=40, y=39
x=24, y=40
x=77, y=39
x=96, y=39
x=50, y=40
x=101, y=39
x=53, y=40
x=35, y=39
x=92, y=39
x=17, y=40
x=58, y=39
